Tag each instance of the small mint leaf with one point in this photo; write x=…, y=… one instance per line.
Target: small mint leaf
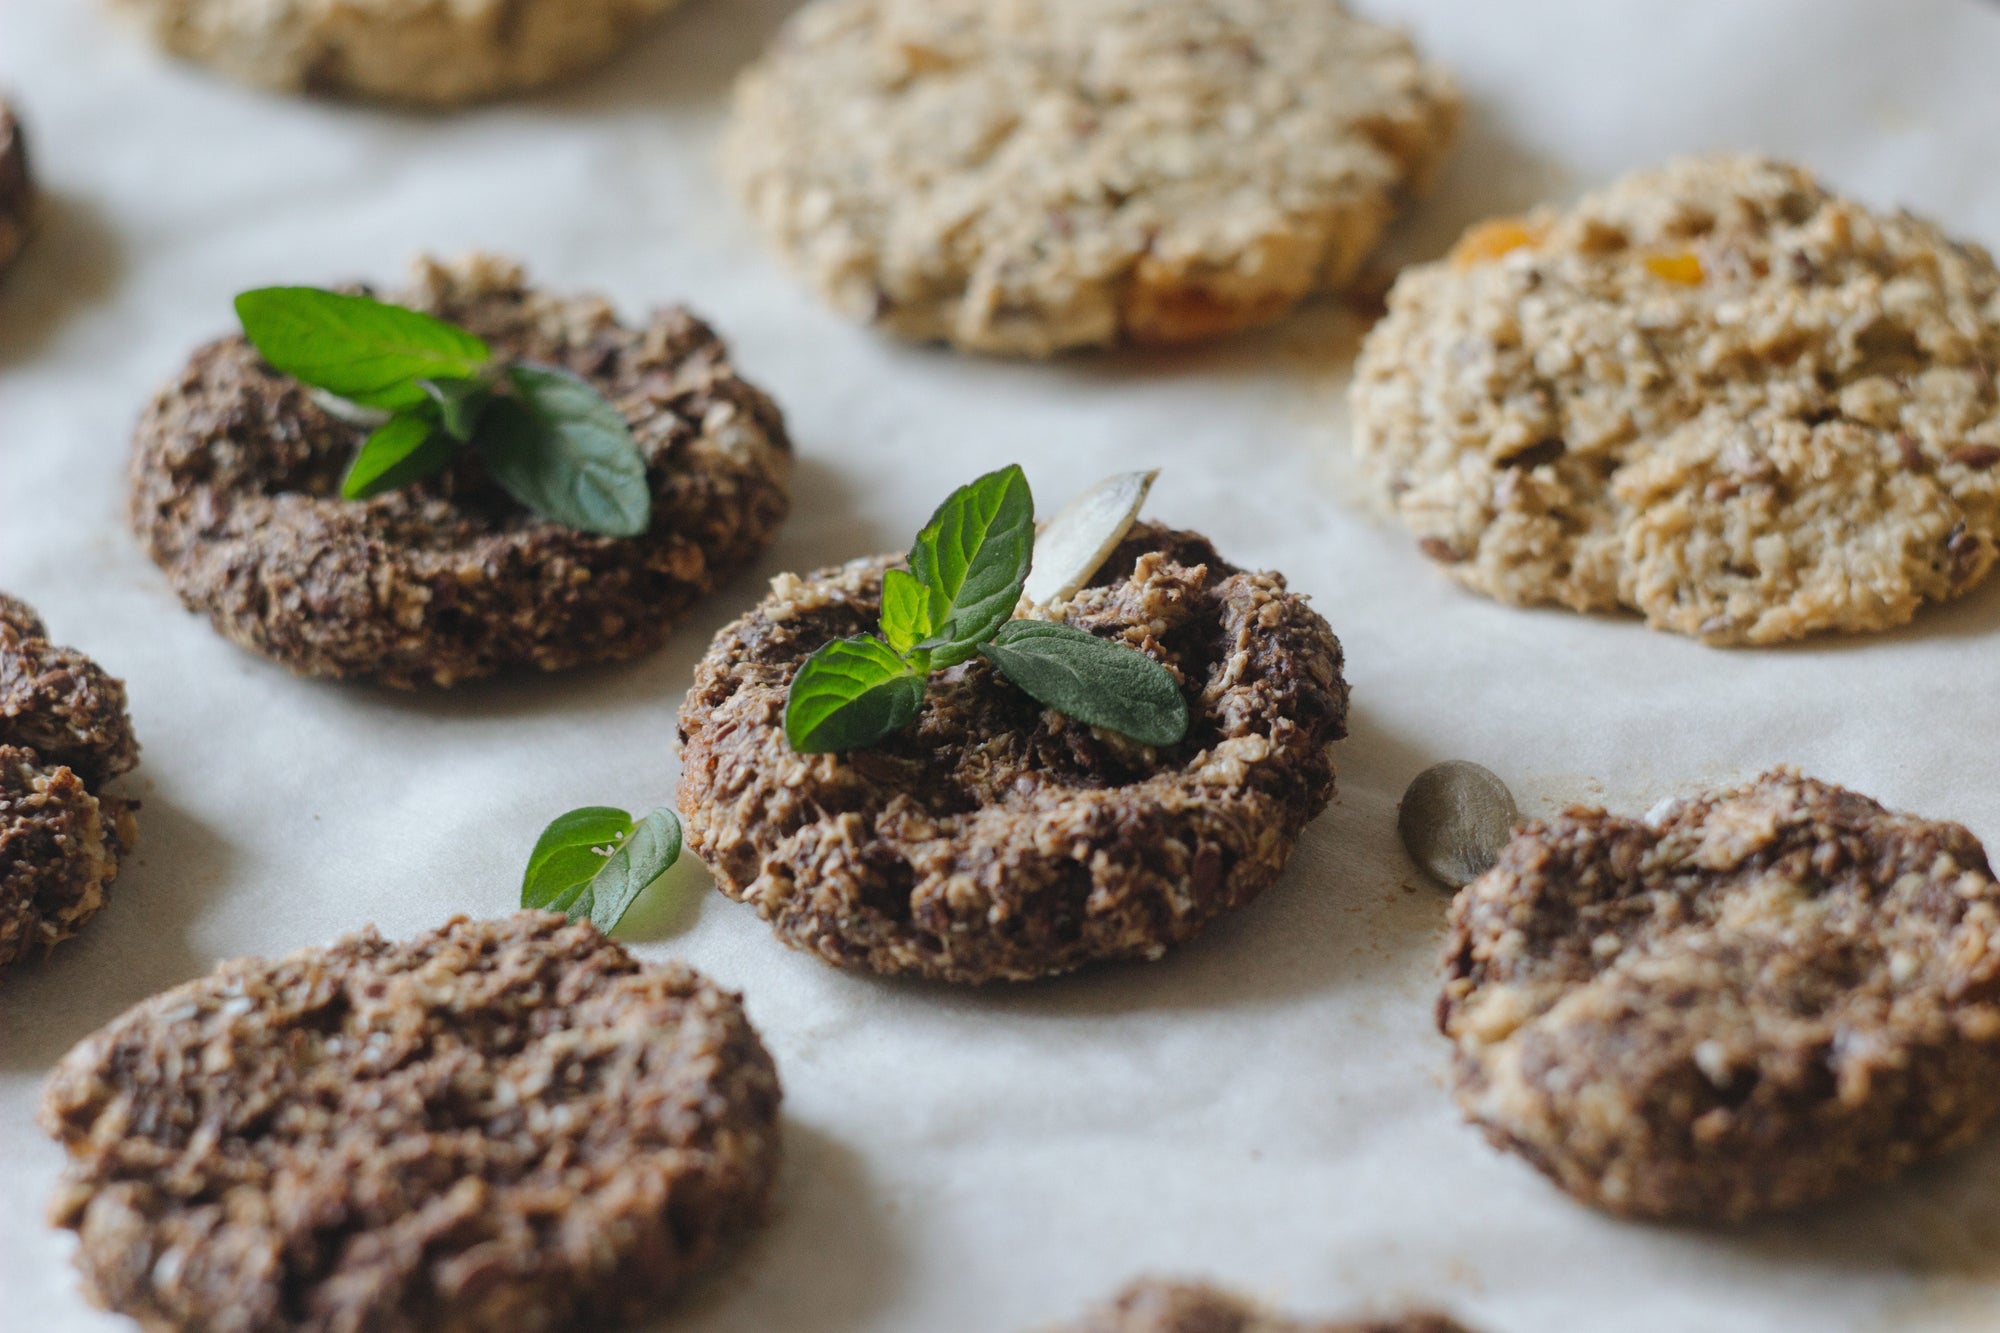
x=562, y=450
x=409, y=448
x=1097, y=682
x=360, y=349
x=646, y=854
x=973, y=556
x=850, y=694
x=569, y=855
x=460, y=403
x=910, y=611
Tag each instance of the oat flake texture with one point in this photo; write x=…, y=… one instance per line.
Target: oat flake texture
x=501, y=1125
x=1715, y=393
x=1023, y=176
x=435, y=52
x=1755, y=1000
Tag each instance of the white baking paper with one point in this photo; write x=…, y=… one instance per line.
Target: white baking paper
x=1266, y=1106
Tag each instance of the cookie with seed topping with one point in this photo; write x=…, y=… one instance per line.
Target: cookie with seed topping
x=994, y=839
x=1751, y=1001
x=1717, y=393
x=236, y=494
x=64, y=735
x=1154, y=1306
x=505, y=1124
x=1023, y=176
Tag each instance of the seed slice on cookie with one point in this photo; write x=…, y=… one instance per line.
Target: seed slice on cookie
x=64, y=734
x=500, y=1125
x=1716, y=393
x=426, y=52
x=1151, y=1305
x=995, y=839
x=1019, y=177
x=1752, y=1000
x=236, y=494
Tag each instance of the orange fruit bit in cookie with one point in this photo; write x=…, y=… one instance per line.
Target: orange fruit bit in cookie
x=1486, y=241
x=1681, y=267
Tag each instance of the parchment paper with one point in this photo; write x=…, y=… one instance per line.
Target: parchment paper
x=1265, y=1106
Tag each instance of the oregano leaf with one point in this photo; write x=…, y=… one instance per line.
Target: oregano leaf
x=1095, y=681
x=562, y=450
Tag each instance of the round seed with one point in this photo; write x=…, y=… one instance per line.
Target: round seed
x=1455, y=819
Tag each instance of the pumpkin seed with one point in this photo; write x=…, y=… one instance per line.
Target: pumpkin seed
x=1455, y=819
x=1077, y=541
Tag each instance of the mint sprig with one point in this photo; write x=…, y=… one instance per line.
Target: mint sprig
x=956, y=601
x=593, y=863
x=547, y=437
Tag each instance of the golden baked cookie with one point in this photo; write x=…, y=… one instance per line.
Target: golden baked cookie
x=1024, y=176
x=433, y=52
x=1716, y=393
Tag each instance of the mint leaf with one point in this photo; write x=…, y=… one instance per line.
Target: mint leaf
x=652, y=847
x=1095, y=681
x=910, y=611
x=566, y=453
x=460, y=404
x=850, y=694
x=973, y=555
x=593, y=863
x=569, y=854
x=363, y=350
x=409, y=448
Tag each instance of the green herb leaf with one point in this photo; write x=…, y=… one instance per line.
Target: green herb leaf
x=566, y=453
x=569, y=854
x=363, y=350
x=409, y=448
x=910, y=611
x=460, y=404
x=1093, y=680
x=973, y=555
x=595, y=862
x=653, y=847
x=849, y=695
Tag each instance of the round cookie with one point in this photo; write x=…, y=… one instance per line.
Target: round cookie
x=235, y=493
x=17, y=188
x=1154, y=1306
x=428, y=52
x=1024, y=176
x=995, y=840
x=505, y=1124
x=64, y=734
x=1715, y=393
x=1751, y=1001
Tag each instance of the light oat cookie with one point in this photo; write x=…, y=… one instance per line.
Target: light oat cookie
x=1155, y=1306
x=64, y=735
x=1715, y=393
x=501, y=1125
x=431, y=52
x=1751, y=1001
x=1023, y=176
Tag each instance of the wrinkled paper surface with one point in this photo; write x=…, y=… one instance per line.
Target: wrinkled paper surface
x=1266, y=1106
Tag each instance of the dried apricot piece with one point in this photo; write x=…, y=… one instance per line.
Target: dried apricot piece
x=1681, y=266
x=1487, y=241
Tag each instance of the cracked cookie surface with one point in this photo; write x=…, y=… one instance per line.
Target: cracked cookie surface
x=1716, y=393
x=1752, y=1000
x=504, y=1124
x=64, y=734
x=1023, y=176
x=993, y=839
x=235, y=493
x=434, y=52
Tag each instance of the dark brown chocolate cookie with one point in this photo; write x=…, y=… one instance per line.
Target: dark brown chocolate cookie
x=64, y=733
x=507, y=1124
x=1750, y=1001
x=17, y=188
x=994, y=839
x=236, y=495
x=1153, y=1306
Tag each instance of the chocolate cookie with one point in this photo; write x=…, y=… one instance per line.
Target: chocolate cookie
x=1023, y=176
x=64, y=734
x=993, y=839
x=1153, y=1306
x=17, y=188
x=1717, y=393
x=1751, y=1001
x=506, y=1124
x=429, y=52
x=235, y=492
